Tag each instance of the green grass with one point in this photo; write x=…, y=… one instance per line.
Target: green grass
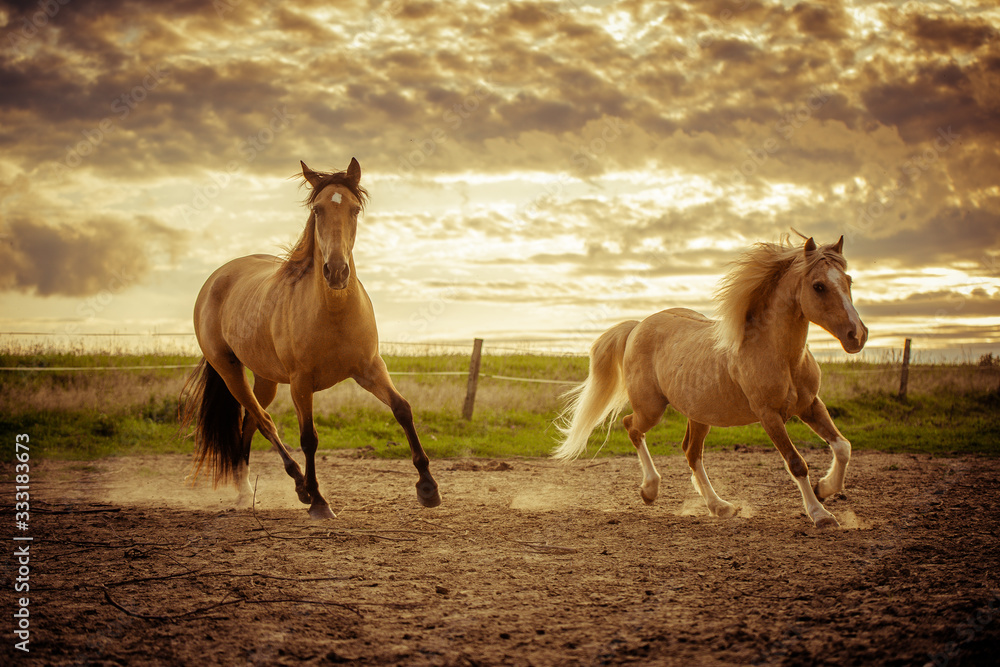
x=92, y=414
x=88, y=361
x=88, y=435
x=443, y=434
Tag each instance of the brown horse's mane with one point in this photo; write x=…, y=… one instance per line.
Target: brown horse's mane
x=298, y=260
x=750, y=284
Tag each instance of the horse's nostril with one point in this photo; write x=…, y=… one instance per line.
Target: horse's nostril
x=336, y=274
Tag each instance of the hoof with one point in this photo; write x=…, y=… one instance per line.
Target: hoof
x=827, y=522
x=646, y=499
x=428, y=494
x=243, y=502
x=321, y=512
x=725, y=511
x=303, y=495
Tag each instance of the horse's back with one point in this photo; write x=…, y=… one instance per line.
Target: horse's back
x=675, y=325
x=237, y=272
x=232, y=298
x=674, y=337
x=686, y=314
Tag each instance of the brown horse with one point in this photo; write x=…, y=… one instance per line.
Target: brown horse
x=752, y=365
x=305, y=321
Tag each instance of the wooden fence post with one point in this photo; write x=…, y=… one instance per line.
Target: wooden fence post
x=904, y=376
x=470, y=392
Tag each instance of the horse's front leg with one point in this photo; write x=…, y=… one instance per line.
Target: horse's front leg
x=818, y=419
x=376, y=380
x=774, y=425
x=302, y=397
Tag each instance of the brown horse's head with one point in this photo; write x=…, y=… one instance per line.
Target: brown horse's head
x=336, y=201
x=825, y=295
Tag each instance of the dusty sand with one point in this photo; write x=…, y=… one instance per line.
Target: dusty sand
x=525, y=562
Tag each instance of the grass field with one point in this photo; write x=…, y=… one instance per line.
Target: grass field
x=83, y=414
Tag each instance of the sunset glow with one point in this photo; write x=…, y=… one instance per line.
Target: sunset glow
x=537, y=170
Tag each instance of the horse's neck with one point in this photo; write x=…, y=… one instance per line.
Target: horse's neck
x=341, y=301
x=783, y=327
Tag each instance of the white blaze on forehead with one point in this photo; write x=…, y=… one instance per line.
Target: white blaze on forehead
x=833, y=275
x=336, y=198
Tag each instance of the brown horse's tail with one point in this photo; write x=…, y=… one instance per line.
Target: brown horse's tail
x=601, y=396
x=218, y=420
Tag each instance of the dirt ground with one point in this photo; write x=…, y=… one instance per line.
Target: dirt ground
x=525, y=562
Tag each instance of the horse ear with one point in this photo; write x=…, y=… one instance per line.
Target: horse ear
x=354, y=172
x=838, y=247
x=810, y=245
x=311, y=176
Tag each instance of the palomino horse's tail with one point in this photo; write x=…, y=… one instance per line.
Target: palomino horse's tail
x=218, y=420
x=601, y=396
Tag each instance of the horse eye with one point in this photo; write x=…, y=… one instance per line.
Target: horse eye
x=819, y=287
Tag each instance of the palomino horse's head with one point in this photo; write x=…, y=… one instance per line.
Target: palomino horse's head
x=825, y=295
x=336, y=203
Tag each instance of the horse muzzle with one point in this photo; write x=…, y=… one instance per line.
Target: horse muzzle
x=336, y=274
x=854, y=339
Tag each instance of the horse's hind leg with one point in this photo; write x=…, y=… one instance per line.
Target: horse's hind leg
x=263, y=391
x=694, y=445
x=648, y=405
x=376, y=380
x=637, y=426
x=818, y=419
x=231, y=370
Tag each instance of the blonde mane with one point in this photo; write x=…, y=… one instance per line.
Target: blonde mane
x=749, y=285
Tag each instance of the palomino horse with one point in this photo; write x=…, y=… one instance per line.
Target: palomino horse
x=752, y=365
x=305, y=321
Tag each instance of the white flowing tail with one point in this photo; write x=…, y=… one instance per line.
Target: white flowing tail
x=602, y=395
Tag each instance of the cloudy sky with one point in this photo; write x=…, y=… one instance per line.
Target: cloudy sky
x=537, y=170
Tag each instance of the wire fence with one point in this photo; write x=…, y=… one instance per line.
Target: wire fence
x=425, y=349
x=884, y=375
x=68, y=369
x=546, y=347
x=184, y=343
